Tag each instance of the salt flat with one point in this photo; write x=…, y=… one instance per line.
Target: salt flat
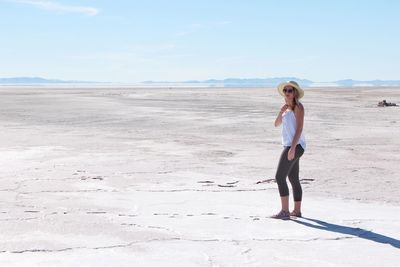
x=168, y=177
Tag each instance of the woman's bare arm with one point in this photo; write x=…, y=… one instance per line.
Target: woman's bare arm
x=299, y=113
x=278, y=120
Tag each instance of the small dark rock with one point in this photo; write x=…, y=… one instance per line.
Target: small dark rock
x=383, y=103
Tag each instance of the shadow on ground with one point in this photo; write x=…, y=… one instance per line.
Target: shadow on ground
x=358, y=232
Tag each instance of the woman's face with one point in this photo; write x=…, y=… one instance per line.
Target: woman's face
x=289, y=92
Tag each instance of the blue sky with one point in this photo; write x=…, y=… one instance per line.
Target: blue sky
x=176, y=40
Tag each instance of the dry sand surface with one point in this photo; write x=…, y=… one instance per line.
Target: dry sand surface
x=169, y=177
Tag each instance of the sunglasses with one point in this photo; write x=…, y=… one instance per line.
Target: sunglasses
x=289, y=91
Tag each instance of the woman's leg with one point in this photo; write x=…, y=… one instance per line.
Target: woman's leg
x=296, y=187
x=280, y=177
x=295, y=182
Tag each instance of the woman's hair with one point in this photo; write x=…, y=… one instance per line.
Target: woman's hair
x=296, y=98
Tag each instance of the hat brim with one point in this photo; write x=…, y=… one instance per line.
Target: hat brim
x=281, y=86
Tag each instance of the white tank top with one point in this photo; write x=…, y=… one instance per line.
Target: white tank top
x=289, y=130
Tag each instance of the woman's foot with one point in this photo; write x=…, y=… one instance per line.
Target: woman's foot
x=283, y=215
x=295, y=213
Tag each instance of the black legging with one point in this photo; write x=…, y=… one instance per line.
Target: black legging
x=289, y=168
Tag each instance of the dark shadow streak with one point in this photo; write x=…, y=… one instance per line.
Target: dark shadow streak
x=358, y=232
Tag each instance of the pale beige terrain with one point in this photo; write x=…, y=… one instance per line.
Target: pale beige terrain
x=168, y=177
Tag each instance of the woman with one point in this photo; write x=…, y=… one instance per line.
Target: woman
x=291, y=116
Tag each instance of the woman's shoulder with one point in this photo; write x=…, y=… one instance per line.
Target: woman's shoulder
x=299, y=109
x=299, y=106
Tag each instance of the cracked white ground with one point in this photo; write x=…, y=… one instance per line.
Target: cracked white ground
x=184, y=177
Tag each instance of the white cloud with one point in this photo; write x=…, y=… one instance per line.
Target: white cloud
x=196, y=27
x=225, y=22
x=58, y=7
x=190, y=29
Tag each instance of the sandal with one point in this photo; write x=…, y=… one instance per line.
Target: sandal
x=295, y=214
x=283, y=215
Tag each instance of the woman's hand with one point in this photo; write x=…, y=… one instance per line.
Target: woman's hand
x=278, y=120
x=284, y=108
x=291, y=152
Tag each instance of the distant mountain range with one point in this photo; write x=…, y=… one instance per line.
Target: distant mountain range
x=35, y=80
x=240, y=81
x=350, y=82
x=235, y=82
x=274, y=81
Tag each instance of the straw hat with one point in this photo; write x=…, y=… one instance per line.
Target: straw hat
x=293, y=84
